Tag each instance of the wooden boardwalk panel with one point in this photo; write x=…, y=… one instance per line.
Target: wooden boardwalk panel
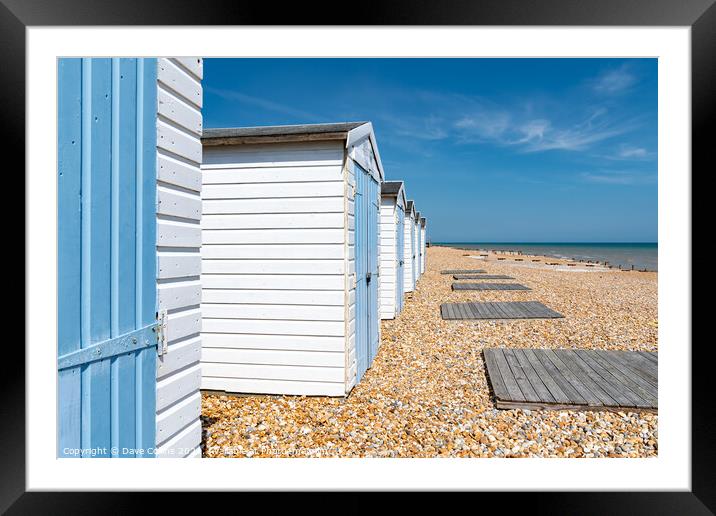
x=488, y=286
x=463, y=271
x=566, y=379
x=480, y=276
x=498, y=310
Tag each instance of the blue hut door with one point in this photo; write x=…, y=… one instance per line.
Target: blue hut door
x=399, y=259
x=107, y=323
x=373, y=264
x=366, y=263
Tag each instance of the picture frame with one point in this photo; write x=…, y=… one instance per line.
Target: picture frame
x=700, y=15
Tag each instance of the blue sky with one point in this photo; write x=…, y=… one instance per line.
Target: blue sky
x=491, y=150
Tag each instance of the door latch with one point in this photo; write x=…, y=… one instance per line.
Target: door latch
x=162, y=333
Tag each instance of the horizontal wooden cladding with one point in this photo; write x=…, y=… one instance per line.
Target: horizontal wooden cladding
x=178, y=141
x=258, y=206
x=171, y=421
x=220, y=174
x=273, y=236
x=279, y=297
x=337, y=266
x=273, y=357
x=178, y=203
x=178, y=295
x=184, y=444
x=176, y=172
x=172, y=75
x=273, y=190
x=274, y=282
x=277, y=342
x=273, y=327
x=262, y=386
x=195, y=65
x=183, y=324
x=172, y=233
x=179, y=355
x=273, y=372
x=273, y=312
x=178, y=264
x=274, y=221
x=172, y=388
x=274, y=155
x=178, y=111
x=272, y=252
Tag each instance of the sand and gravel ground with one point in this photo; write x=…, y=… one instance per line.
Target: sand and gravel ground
x=427, y=395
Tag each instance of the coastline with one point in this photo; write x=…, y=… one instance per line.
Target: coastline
x=640, y=256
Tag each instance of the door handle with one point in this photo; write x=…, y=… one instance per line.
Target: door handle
x=367, y=277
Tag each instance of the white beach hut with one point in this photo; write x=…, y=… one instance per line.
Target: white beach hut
x=290, y=272
x=392, y=234
x=409, y=248
x=423, y=236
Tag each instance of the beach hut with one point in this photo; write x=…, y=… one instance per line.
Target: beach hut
x=290, y=270
x=409, y=248
x=418, y=247
x=423, y=235
x=128, y=242
x=392, y=233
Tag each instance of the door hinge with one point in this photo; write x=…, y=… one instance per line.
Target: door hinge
x=162, y=332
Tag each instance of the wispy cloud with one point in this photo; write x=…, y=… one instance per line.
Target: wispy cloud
x=268, y=105
x=540, y=134
x=615, y=80
x=618, y=177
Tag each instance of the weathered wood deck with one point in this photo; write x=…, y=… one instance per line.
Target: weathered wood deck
x=462, y=271
x=489, y=286
x=497, y=310
x=576, y=379
x=481, y=276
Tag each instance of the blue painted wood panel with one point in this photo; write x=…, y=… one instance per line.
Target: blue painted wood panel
x=106, y=254
x=367, y=257
x=399, y=259
x=361, y=259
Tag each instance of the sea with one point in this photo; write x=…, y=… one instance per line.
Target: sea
x=625, y=255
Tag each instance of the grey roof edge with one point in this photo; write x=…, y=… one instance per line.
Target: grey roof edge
x=297, y=130
x=391, y=188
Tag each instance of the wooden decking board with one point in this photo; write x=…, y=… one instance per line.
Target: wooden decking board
x=649, y=355
x=604, y=379
x=463, y=271
x=489, y=286
x=588, y=378
x=641, y=367
x=524, y=384
x=510, y=383
x=573, y=379
x=549, y=381
x=569, y=379
x=540, y=389
x=641, y=396
x=498, y=384
x=480, y=276
x=498, y=310
x=646, y=389
x=564, y=384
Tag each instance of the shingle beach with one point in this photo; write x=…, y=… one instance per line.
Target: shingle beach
x=427, y=394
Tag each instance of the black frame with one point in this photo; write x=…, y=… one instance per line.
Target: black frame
x=700, y=15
